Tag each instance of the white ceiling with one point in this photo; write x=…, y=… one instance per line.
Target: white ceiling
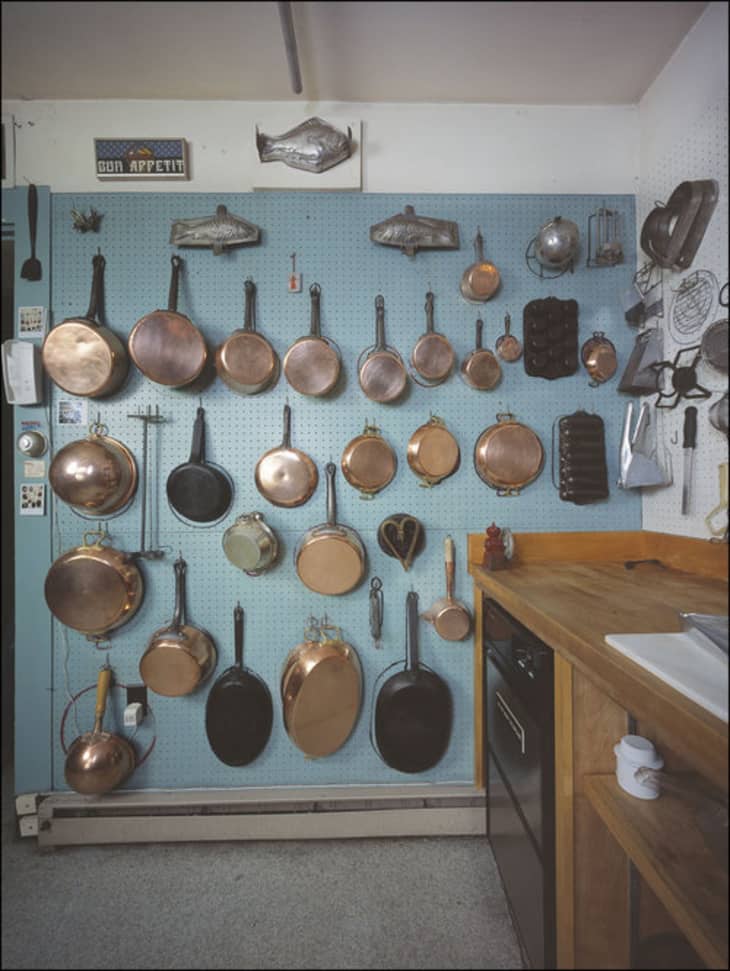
x=520, y=53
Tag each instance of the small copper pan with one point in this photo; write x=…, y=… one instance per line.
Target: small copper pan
x=369, y=462
x=450, y=617
x=284, y=475
x=507, y=346
x=480, y=368
x=508, y=456
x=433, y=452
x=480, y=281
x=599, y=358
x=166, y=345
x=80, y=355
x=381, y=371
x=246, y=361
x=312, y=364
x=433, y=355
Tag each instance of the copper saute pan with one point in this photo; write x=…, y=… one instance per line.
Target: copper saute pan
x=312, y=364
x=179, y=657
x=80, y=355
x=98, y=761
x=246, y=361
x=284, y=475
x=599, y=358
x=330, y=558
x=480, y=368
x=94, y=588
x=433, y=355
x=480, y=281
x=97, y=476
x=321, y=691
x=508, y=456
x=166, y=345
x=381, y=371
x=369, y=462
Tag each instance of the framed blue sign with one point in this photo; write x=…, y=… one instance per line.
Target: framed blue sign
x=141, y=158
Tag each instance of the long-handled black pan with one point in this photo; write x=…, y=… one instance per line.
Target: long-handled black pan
x=239, y=712
x=198, y=490
x=413, y=709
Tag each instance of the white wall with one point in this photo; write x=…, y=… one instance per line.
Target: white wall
x=684, y=136
x=407, y=147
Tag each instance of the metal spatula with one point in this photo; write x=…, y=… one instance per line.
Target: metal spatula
x=31, y=269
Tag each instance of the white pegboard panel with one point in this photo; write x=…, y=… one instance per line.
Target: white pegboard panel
x=330, y=234
x=701, y=152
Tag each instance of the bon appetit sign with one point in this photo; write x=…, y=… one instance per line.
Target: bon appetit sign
x=141, y=158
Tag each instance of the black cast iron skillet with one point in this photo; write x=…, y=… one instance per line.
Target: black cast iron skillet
x=197, y=490
x=413, y=710
x=239, y=712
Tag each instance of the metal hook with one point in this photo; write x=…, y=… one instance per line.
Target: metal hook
x=674, y=438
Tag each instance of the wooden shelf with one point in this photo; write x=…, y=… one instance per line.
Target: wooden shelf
x=664, y=842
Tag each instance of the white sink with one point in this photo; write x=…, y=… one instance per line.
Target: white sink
x=689, y=662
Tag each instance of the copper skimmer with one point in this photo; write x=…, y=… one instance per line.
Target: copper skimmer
x=312, y=364
x=433, y=355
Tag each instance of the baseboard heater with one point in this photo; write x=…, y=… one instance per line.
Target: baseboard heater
x=326, y=812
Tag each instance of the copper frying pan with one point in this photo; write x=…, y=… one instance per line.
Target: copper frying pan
x=321, y=691
x=433, y=355
x=480, y=281
x=433, y=452
x=381, y=371
x=80, y=355
x=480, y=368
x=166, y=345
x=508, y=456
x=312, y=364
x=246, y=361
x=284, y=475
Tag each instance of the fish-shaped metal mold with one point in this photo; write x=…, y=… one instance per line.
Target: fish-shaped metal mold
x=411, y=232
x=217, y=231
x=313, y=146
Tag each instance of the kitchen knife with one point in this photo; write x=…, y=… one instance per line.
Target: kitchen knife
x=688, y=444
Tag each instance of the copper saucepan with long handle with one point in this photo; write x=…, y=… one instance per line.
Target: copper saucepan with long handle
x=381, y=371
x=321, y=691
x=480, y=368
x=480, y=281
x=166, y=345
x=330, y=558
x=98, y=761
x=450, y=618
x=179, y=657
x=246, y=362
x=284, y=475
x=94, y=588
x=97, y=475
x=82, y=356
x=433, y=356
x=312, y=364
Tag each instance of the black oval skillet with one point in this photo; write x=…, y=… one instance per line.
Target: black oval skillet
x=413, y=710
x=197, y=490
x=239, y=712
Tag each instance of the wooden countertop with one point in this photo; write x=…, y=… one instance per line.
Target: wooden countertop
x=573, y=598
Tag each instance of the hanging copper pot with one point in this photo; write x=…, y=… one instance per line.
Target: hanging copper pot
x=433, y=355
x=433, y=452
x=369, y=462
x=284, y=475
x=80, y=355
x=508, y=456
x=97, y=475
x=480, y=281
x=480, y=368
x=599, y=358
x=246, y=361
x=381, y=371
x=312, y=364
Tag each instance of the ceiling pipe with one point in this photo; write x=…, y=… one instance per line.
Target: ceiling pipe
x=287, y=26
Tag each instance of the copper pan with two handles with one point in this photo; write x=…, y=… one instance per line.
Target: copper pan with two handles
x=508, y=455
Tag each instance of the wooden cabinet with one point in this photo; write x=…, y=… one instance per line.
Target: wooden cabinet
x=610, y=845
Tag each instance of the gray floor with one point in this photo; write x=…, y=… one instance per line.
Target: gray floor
x=397, y=903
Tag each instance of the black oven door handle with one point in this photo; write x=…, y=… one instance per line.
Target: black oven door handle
x=509, y=716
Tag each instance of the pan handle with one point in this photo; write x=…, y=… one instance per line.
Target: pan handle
x=197, y=451
x=314, y=292
x=97, y=284
x=286, y=441
x=238, y=634
x=330, y=470
x=552, y=465
x=380, y=344
x=479, y=246
x=178, y=618
x=249, y=322
x=450, y=567
x=102, y=690
x=174, y=283
x=411, y=630
x=429, y=313
x=480, y=330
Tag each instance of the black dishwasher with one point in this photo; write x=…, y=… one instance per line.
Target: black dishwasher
x=520, y=735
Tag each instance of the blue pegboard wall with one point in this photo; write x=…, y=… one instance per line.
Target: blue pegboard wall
x=330, y=235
